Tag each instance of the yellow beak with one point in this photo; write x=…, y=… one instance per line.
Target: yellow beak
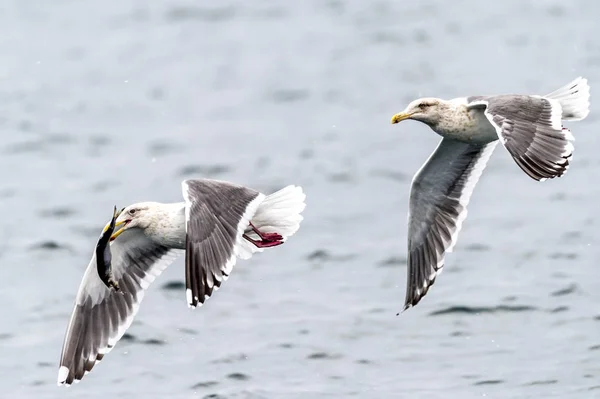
x=118, y=232
x=400, y=117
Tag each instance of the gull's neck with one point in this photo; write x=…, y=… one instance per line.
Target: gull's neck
x=454, y=118
x=456, y=122
x=167, y=226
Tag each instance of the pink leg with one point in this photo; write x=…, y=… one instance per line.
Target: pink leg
x=263, y=243
x=266, y=236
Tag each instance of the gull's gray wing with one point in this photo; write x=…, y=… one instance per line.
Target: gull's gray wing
x=530, y=127
x=216, y=213
x=101, y=315
x=439, y=196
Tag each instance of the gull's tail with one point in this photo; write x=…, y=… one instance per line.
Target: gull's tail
x=278, y=213
x=574, y=99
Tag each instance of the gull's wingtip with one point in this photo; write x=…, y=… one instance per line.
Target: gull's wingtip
x=404, y=309
x=63, y=373
x=188, y=298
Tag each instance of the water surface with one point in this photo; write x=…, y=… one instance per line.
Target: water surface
x=115, y=102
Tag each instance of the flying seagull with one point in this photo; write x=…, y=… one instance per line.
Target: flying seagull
x=217, y=223
x=530, y=128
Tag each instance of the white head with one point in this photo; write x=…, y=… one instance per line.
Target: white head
x=426, y=110
x=138, y=215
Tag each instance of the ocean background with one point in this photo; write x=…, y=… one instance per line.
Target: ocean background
x=108, y=103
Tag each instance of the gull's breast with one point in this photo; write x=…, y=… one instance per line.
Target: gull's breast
x=468, y=126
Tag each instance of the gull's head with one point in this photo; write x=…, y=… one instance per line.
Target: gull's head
x=426, y=110
x=136, y=215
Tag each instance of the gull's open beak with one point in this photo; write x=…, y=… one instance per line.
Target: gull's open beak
x=400, y=117
x=118, y=232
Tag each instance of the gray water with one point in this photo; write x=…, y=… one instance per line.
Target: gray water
x=114, y=102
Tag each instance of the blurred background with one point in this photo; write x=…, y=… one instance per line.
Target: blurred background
x=113, y=102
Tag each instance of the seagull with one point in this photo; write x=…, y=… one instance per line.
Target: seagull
x=217, y=223
x=529, y=126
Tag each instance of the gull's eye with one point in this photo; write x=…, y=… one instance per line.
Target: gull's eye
x=132, y=211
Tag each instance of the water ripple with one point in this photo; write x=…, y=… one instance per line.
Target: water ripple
x=483, y=309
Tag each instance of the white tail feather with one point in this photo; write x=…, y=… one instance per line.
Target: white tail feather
x=574, y=99
x=279, y=213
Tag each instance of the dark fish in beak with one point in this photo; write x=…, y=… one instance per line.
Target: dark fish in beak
x=103, y=255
